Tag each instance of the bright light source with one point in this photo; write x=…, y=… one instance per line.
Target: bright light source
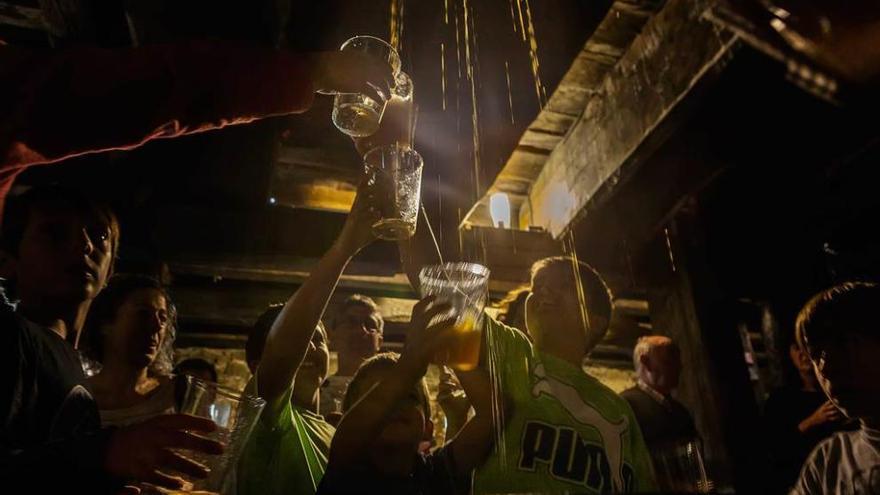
x=499, y=208
x=272, y=200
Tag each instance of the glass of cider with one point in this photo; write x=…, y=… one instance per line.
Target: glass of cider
x=466, y=287
x=356, y=114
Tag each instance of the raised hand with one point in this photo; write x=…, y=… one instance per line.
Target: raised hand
x=427, y=336
x=351, y=72
x=826, y=413
x=145, y=452
x=358, y=229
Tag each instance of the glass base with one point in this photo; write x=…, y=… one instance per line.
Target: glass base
x=393, y=229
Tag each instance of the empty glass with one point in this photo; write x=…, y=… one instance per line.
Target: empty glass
x=235, y=414
x=357, y=114
x=466, y=287
x=397, y=122
x=394, y=183
x=679, y=468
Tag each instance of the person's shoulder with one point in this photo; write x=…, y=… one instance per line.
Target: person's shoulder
x=504, y=334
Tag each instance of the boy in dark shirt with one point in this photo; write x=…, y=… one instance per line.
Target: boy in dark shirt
x=387, y=416
x=58, y=251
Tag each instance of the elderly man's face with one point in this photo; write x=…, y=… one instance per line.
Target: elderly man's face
x=662, y=365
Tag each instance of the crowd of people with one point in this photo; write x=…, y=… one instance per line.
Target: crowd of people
x=90, y=392
x=90, y=398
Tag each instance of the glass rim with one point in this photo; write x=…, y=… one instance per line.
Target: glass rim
x=225, y=392
x=367, y=37
x=393, y=148
x=458, y=266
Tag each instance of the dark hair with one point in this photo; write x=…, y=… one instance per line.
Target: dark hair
x=361, y=301
x=105, y=307
x=196, y=364
x=380, y=362
x=253, y=348
x=17, y=212
x=513, y=305
x=850, y=307
x=597, y=296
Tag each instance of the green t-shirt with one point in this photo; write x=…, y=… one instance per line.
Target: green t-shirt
x=287, y=451
x=566, y=432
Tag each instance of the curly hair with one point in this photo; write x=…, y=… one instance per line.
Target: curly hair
x=105, y=307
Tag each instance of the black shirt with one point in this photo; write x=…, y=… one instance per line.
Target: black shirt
x=662, y=424
x=50, y=436
x=432, y=475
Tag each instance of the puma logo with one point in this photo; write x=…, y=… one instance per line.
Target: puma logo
x=611, y=433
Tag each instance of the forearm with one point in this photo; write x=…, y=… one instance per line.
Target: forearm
x=288, y=340
x=473, y=443
x=69, y=102
x=362, y=423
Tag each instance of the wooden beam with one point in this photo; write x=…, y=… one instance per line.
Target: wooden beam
x=676, y=50
x=316, y=179
x=21, y=17
x=608, y=43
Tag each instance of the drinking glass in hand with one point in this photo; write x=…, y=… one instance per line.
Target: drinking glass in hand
x=394, y=183
x=357, y=114
x=396, y=125
x=466, y=287
x=235, y=414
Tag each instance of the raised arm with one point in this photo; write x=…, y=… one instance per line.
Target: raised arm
x=363, y=422
x=62, y=103
x=289, y=337
x=474, y=442
x=418, y=251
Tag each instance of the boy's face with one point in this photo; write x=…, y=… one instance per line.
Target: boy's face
x=849, y=373
x=139, y=328
x=358, y=331
x=553, y=311
x=62, y=256
x=406, y=426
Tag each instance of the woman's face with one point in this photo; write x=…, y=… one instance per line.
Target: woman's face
x=137, y=332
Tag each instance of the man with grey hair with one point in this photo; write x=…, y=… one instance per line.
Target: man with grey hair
x=664, y=421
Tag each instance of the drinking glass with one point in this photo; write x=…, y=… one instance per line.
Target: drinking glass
x=397, y=122
x=357, y=114
x=235, y=414
x=679, y=468
x=466, y=287
x=394, y=183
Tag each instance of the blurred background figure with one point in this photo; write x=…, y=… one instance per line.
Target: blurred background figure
x=130, y=332
x=667, y=426
x=356, y=333
x=797, y=418
x=198, y=368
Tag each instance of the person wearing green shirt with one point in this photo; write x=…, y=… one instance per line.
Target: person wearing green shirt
x=287, y=451
x=567, y=433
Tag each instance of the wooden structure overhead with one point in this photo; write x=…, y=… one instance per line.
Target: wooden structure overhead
x=638, y=66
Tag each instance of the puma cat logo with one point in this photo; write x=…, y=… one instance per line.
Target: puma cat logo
x=611, y=433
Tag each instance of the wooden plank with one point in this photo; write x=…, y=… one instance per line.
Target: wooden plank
x=608, y=43
x=675, y=51
x=21, y=17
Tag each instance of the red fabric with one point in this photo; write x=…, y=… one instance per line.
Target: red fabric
x=59, y=104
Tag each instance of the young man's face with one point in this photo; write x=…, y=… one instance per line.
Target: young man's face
x=139, y=328
x=848, y=370
x=62, y=256
x=358, y=331
x=553, y=310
